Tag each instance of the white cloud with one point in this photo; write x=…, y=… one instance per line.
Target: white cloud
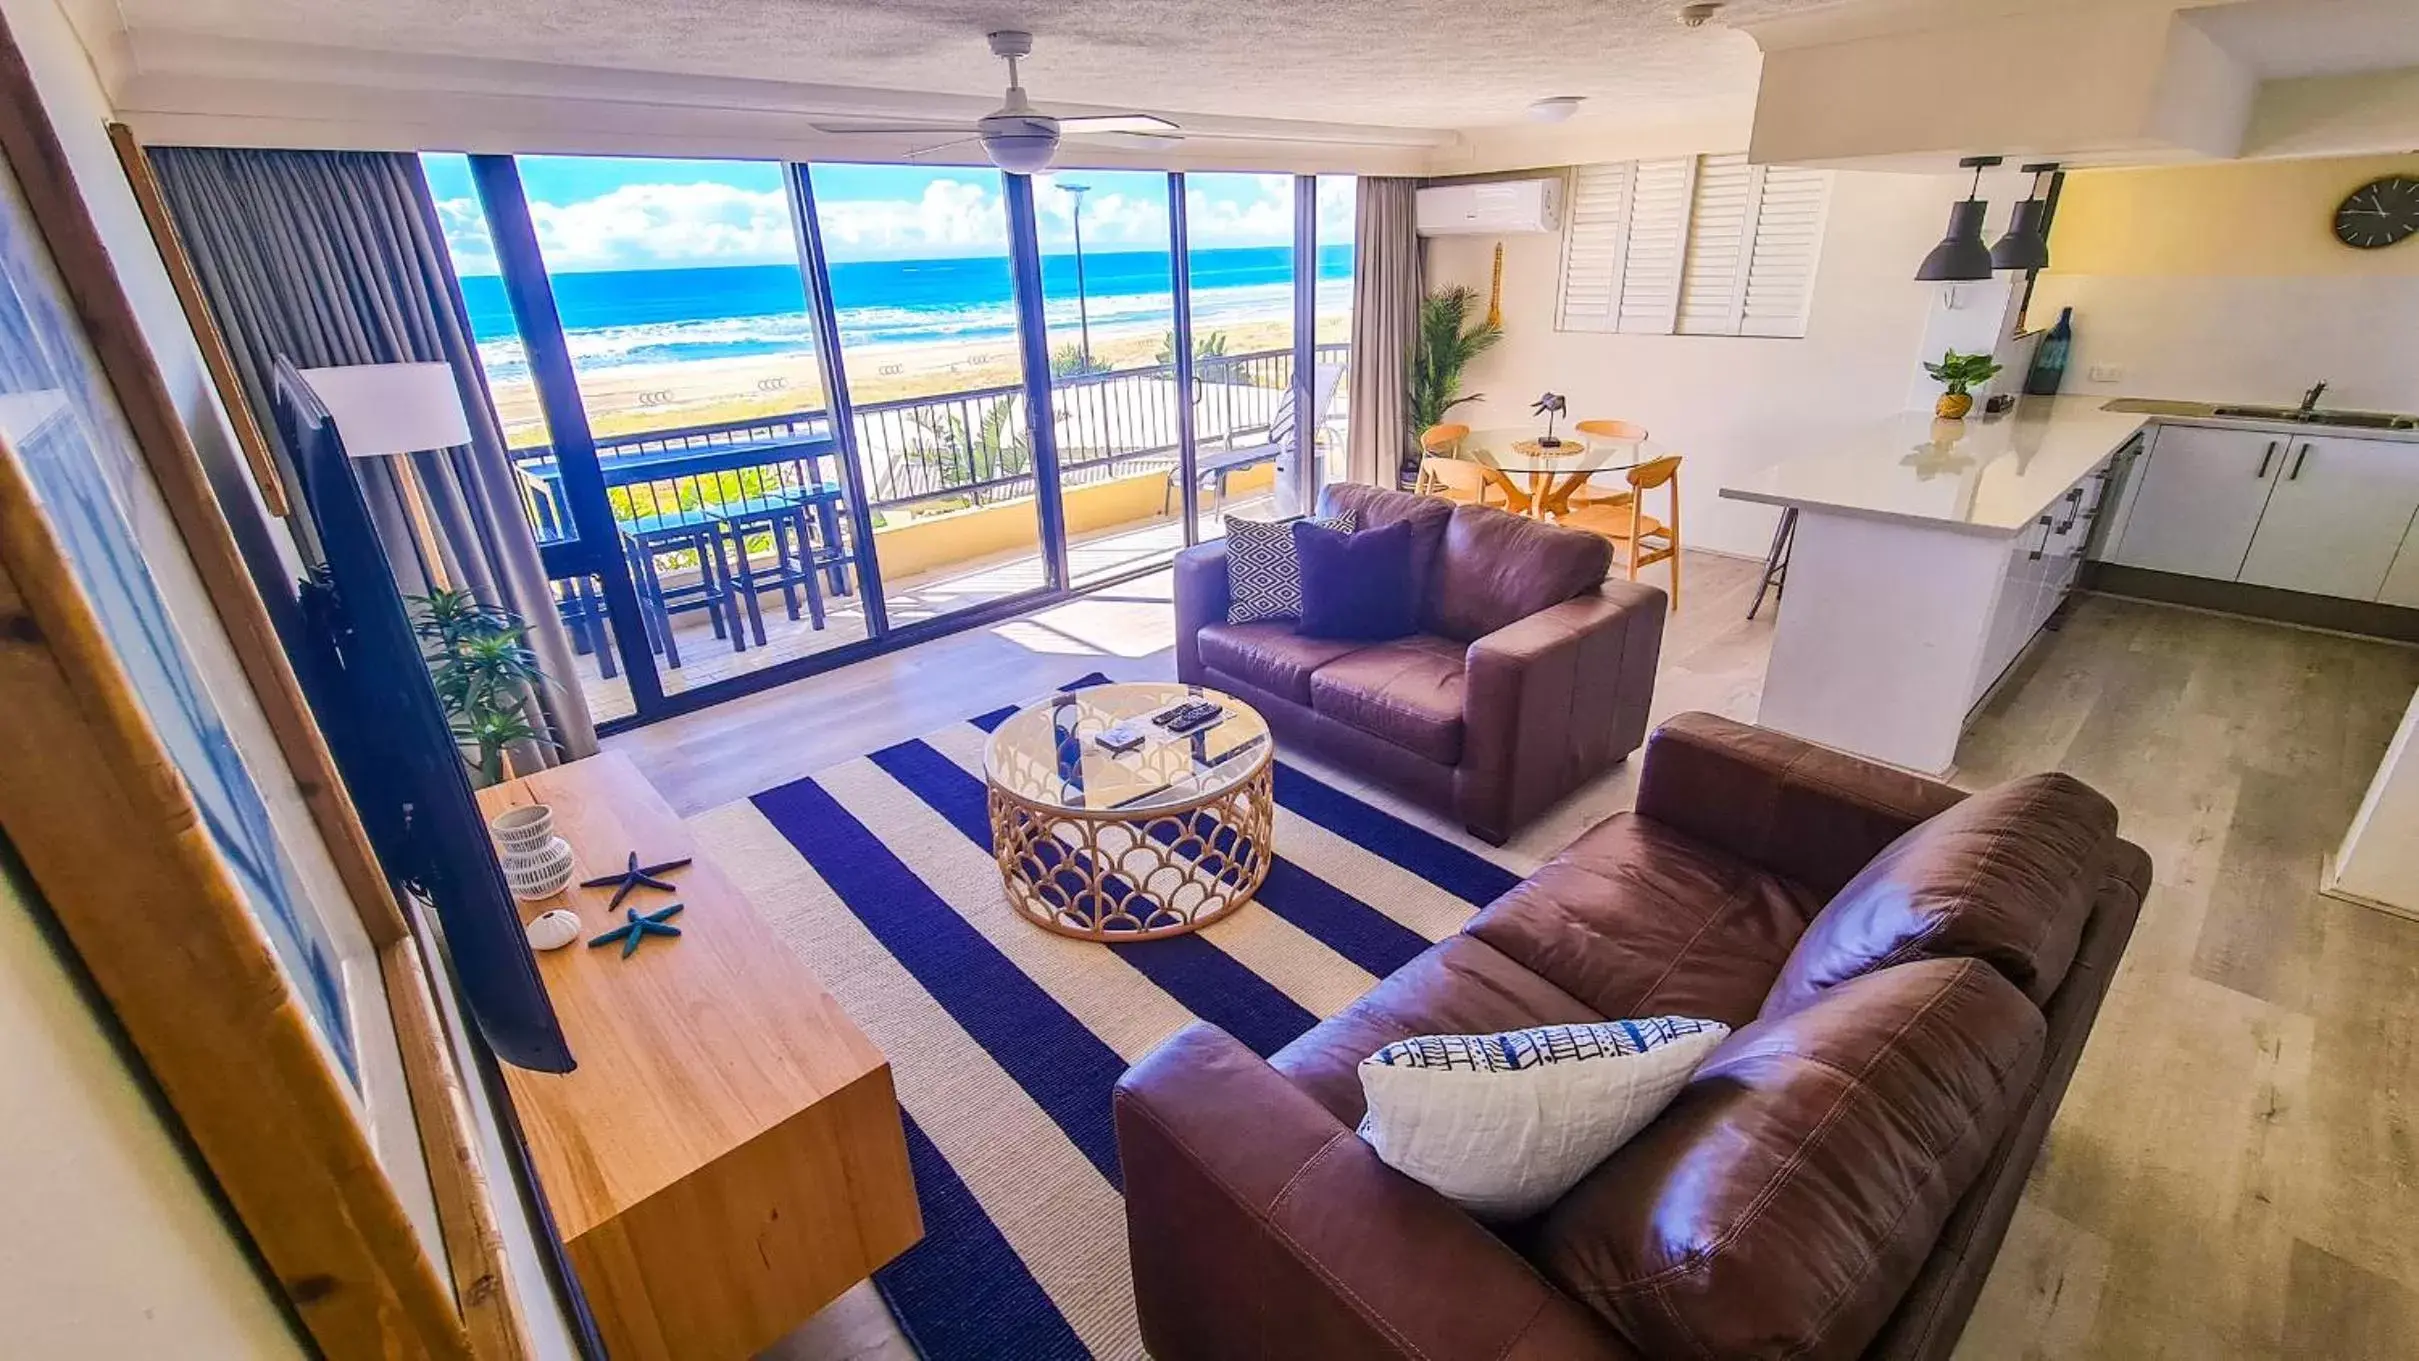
x=1255, y=210
x=952, y=217
x=1111, y=219
x=649, y=226
x=465, y=230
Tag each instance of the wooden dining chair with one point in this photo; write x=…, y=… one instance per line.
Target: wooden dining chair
x=1438, y=441
x=1579, y=489
x=1443, y=473
x=1640, y=539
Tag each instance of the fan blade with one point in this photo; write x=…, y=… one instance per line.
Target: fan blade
x=1132, y=139
x=892, y=127
x=1117, y=122
x=921, y=152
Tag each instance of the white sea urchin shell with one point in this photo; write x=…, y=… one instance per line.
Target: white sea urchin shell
x=554, y=930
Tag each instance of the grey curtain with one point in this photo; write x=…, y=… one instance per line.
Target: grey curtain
x=333, y=258
x=1385, y=318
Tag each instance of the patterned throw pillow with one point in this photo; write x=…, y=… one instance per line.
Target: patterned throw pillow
x=1263, y=574
x=1502, y=1125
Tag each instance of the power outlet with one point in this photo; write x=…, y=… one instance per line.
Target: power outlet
x=2108, y=373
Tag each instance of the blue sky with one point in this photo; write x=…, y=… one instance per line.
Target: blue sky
x=601, y=213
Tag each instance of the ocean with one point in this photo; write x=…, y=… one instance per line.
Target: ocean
x=661, y=316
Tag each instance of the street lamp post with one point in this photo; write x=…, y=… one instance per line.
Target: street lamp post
x=1083, y=308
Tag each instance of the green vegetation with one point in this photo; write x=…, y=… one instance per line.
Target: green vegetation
x=959, y=453
x=1070, y=361
x=1448, y=340
x=1958, y=373
x=1206, y=345
x=485, y=675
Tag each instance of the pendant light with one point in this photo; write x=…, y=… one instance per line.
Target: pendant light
x=2026, y=245
x=1961, y=257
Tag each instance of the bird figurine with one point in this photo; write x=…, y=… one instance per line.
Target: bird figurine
x=637, y=927
x=1549, y=406
x=635, y=877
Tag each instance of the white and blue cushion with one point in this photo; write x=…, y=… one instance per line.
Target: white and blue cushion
x=1502, y=1125
x=1263, y=573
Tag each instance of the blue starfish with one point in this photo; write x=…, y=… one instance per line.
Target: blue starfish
x=639, y=926
x=635, y=877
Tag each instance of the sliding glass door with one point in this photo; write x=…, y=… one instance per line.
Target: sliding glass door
x=767, y=419
x=1240, y=262
x=1116, y=404
x=924, y=303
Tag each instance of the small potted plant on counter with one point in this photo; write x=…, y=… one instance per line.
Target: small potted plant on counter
x=1958, y=375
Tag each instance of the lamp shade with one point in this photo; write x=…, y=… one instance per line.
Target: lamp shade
x=1960, y=256
x=2025, y=246
x=392, y=408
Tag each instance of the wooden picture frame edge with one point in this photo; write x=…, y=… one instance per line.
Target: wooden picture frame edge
x=110, y=833
x=474, y=1245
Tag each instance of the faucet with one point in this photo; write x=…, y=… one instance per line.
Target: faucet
x=2309, y=400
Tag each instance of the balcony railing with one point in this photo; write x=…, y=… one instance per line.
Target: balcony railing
x=971, y=447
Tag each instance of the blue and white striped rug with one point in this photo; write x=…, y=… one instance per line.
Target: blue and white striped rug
x=1004, y=1039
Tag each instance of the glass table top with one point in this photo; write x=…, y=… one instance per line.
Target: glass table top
x=1514, y=449
x=1045, y=753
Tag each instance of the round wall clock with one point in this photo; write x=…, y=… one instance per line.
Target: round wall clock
x=2379, y=213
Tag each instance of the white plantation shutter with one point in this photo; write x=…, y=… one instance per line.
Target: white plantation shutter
x=1591, y=248
x=1691, y=245
x=1658, y=242
x=1788, y=245
x=1720, y=230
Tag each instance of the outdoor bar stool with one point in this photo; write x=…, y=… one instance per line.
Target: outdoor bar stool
x=789, y=516
x=699, y=531
x=583, y=612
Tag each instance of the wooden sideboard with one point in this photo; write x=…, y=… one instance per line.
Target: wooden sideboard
x=728, y=1156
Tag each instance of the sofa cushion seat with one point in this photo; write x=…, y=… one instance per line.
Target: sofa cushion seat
x=1456, y=987
x=1271, y=656
x=2006, y=876
x=1785, y=1201
x=1407, y=691
x=1635, y=919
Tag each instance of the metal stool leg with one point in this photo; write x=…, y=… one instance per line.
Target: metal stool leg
x=779, y=524
x=1776, y=560
x=746, y=586
x=827, y=515
x=806, y=574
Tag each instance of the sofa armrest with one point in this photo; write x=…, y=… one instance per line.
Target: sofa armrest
x=1201, y=598
x=1553, y=700
x=1261, y=1227
x=1802, y=811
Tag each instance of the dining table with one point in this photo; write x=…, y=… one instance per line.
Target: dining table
x=1554, y=471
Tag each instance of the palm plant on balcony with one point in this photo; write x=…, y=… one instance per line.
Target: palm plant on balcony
x=485, y=675
x=1447, y=341
x=1074, y=361
x=962, y=454
x=1206, y=345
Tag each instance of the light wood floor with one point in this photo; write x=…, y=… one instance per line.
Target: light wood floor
x=2235, y=1172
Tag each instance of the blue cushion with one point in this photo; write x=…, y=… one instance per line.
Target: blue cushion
x=1356, y=586
x=1263, y=577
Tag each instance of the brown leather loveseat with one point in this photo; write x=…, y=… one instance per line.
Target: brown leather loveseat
x=1833, y=1182
x=1529, y=677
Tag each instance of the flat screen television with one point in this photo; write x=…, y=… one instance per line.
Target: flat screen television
x=363, y=671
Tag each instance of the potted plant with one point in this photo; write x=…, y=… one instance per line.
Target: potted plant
x=485, y=673
x=1448, y=340
x=1958, y=374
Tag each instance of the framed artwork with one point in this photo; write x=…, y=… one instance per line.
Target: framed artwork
x=177, y=812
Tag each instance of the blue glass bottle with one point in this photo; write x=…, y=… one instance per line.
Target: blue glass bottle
x=2049, y=358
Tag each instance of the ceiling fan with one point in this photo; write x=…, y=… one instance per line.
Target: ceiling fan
x=1016, y=138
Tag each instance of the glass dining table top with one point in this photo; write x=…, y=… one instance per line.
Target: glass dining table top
x=1516, y=449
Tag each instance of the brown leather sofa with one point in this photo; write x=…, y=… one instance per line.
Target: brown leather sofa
x=1530, y=675
x=1833, y=1182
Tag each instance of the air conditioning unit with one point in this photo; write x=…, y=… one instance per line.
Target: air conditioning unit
x=1492, y=208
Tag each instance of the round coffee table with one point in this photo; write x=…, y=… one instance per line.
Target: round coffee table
x=1152, y=842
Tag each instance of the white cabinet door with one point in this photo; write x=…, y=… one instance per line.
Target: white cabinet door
x=2341, y=509
x=2199, y=496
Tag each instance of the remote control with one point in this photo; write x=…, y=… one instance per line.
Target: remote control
x=1201, y=717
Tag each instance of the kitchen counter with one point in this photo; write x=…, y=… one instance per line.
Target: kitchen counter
x=1984, y=475
x=2168, y=412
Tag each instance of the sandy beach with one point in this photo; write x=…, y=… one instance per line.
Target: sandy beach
x=628, y=399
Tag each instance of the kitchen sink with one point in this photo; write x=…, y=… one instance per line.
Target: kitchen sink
x=2358, y=420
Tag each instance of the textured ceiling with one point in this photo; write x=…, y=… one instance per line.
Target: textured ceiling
x=1406, y=63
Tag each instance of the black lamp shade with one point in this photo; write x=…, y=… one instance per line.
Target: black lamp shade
x=1960, y=256
x=2025, y=246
